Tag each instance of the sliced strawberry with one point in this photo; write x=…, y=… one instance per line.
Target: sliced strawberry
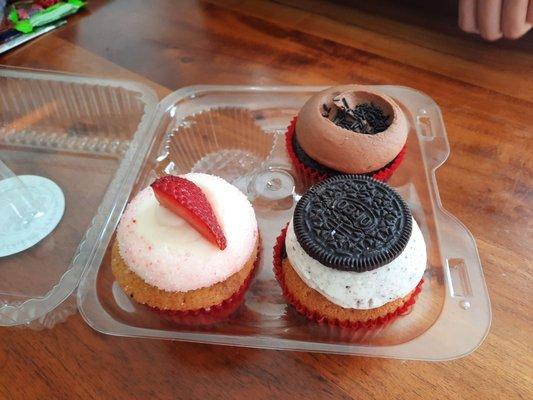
x=187, y=200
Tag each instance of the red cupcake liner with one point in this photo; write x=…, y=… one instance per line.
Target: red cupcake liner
x=320, y=319
x=213, y=314
x=315, y=176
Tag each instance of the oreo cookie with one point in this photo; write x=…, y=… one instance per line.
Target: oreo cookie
x=352, y=223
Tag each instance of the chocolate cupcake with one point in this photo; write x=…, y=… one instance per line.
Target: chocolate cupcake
x=347, y=129
x=352, y=255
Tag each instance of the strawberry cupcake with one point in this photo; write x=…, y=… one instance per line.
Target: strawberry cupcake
x=347, y=129
x=352, y=255
x=187, y=246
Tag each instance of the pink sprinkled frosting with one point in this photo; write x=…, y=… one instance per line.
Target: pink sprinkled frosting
x=166, y=252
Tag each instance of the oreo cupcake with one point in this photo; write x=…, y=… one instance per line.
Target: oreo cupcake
x=352, y=255
x=348, y=129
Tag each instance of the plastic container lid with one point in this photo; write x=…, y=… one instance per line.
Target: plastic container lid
x=60, y=135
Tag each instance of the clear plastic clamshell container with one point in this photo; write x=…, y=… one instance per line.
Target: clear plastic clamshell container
x=235, y=132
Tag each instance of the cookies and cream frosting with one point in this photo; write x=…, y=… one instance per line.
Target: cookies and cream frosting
x=166, y=252
x=362, y=290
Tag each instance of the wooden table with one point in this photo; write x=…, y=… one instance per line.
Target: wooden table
x=485, y=91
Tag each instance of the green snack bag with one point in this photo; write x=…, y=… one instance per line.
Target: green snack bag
x=26, y=16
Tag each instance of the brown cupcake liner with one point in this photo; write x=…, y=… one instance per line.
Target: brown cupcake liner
x=313, y=176
x=320, y=319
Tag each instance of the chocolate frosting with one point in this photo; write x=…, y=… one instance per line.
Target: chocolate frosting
x=342, y=149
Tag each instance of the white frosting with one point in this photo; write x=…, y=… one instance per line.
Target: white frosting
x=361, y=290
x=166, y=252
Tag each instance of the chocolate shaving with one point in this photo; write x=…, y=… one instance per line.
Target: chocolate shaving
x=365, y=118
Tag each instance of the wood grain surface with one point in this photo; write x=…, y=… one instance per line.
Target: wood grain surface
x=485, y=91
